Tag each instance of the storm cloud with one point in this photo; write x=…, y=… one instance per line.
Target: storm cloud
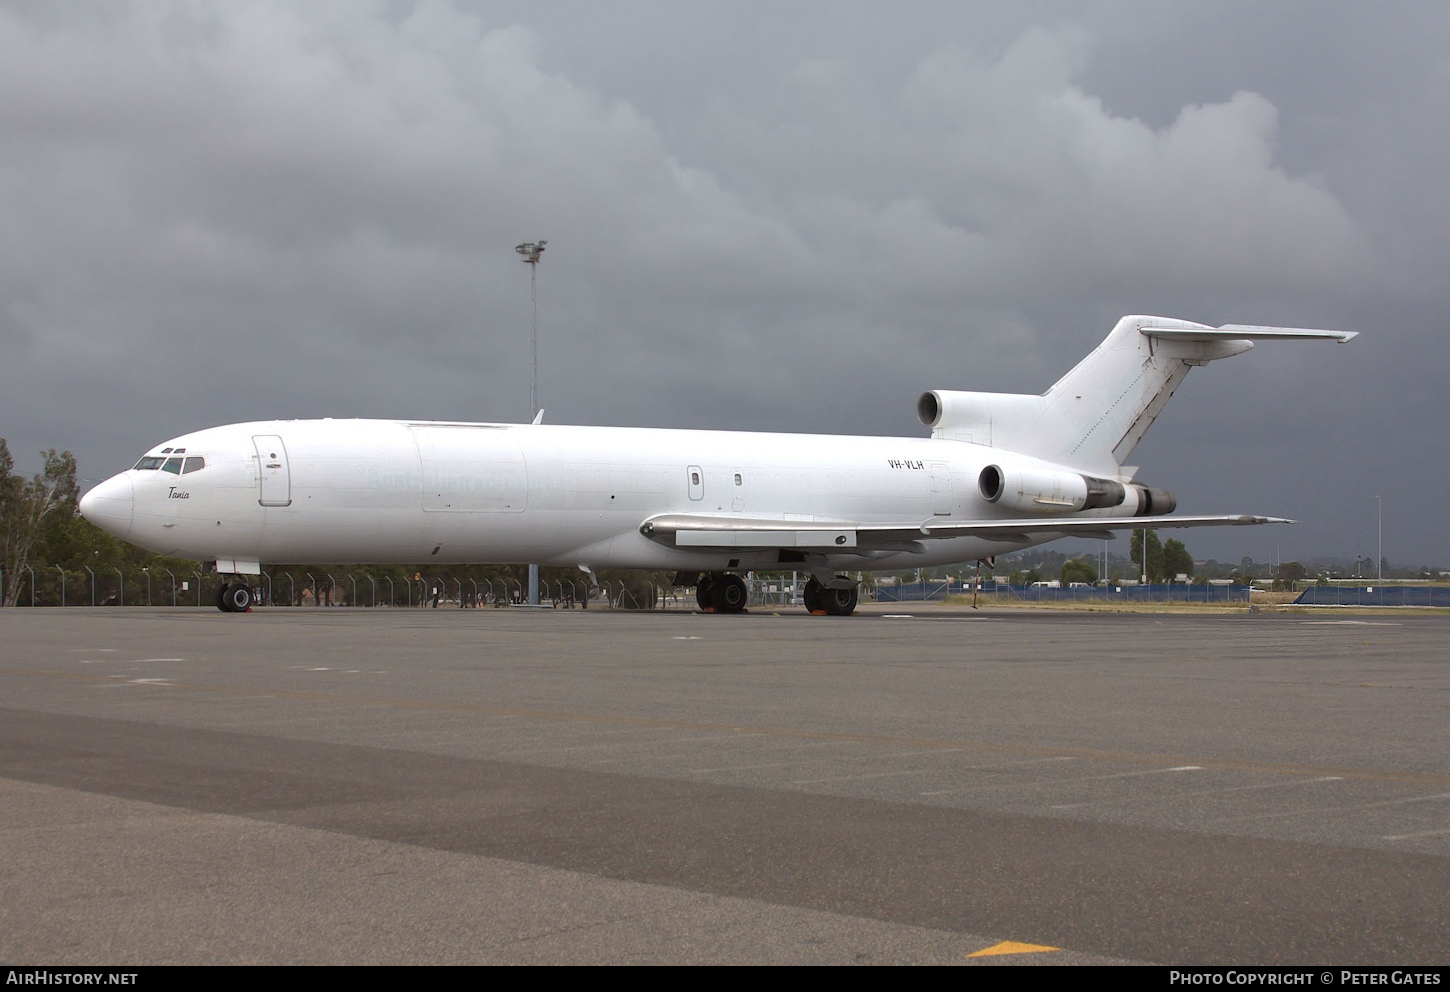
x=756, y=220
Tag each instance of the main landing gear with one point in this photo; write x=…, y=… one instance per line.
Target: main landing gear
x=234, y=598
x=721, y=592
x=832, y=602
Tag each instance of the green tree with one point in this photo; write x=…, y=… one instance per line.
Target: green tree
x=1078, y=570
x=1176, y=560
x=1288, y=573
x=1155, y=555
x=26, y=507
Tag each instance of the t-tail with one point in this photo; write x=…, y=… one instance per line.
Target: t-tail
x=1093, y=417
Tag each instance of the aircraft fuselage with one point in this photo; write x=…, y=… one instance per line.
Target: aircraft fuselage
x=355, y=491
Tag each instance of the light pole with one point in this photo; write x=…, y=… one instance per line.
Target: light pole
x=530, y=251
x=1380, y=510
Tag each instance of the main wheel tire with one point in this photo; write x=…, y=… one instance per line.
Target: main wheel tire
x=705, y=592
x=812, y=596
x=730, y=594
x=238, y=599
x=840, y=602
x=221, y=598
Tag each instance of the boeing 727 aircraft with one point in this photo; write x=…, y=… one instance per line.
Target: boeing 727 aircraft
x=1000, y=472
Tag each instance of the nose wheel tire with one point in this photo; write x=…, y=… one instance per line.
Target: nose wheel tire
x=234, y=599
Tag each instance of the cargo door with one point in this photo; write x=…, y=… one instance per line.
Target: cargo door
x=941, y=489
x=471, y=469
x=272, y=468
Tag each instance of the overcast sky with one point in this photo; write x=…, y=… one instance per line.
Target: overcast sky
x=760, y=216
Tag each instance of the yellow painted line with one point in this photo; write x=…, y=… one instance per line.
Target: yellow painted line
x=1010, y=947
x=1416, y=778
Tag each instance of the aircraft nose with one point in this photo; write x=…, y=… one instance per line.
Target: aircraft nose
x=110, y=505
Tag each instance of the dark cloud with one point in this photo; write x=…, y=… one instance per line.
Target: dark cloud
x=757, y=220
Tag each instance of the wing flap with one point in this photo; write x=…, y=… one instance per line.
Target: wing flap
x=1086, y=526
x=706, y=531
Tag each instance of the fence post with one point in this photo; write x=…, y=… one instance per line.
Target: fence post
x=173, y=586
x=120, y=599
x=32, y=584
x=62, y=584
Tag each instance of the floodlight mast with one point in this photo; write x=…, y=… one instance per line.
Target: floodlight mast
x=530, y=251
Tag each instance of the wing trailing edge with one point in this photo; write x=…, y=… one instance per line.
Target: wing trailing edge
x=712, y=531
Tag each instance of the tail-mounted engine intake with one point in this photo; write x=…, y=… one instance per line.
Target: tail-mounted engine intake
x=1041, y=490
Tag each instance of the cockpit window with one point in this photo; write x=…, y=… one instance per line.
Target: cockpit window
x=173, y=465
x=166, y=451
x=149, y=463
x=193, y=464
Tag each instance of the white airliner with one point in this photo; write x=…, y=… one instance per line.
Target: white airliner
x=1000, y=471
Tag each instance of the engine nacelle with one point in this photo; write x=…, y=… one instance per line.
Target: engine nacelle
x=1035, y=489
x=1152, y=502
x=992, y=419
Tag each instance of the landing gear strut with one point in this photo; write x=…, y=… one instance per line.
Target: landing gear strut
x=234, y=598
x=832, y=602
x=721, y=592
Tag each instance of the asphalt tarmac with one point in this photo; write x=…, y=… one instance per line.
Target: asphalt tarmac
x=510, y=786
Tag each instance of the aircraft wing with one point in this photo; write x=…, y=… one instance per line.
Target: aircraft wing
x=712, y=531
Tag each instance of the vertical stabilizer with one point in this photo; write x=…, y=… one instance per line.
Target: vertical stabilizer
x=1095, y=415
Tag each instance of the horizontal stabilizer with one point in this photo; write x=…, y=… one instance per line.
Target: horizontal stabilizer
x=1247, y=332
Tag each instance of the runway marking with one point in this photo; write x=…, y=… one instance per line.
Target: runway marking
x=1422, y=778
x=865, y=775
x=1423, y=833
x=1010, y=947
x=91, y=650
x=987, y=768
x=1205, y=792
x=1412, y=799
x=897, y=616
x=768, y=764
x=690, y=637
x=1102, y=778
x=857, y=778
x=124, y=661
x=1356, y=623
